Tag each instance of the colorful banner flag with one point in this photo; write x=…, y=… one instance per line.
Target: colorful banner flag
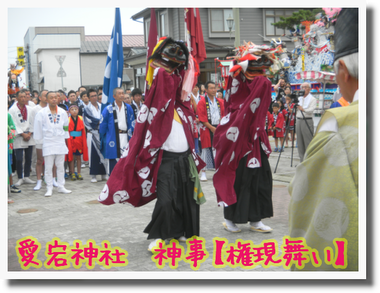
x=113, y=73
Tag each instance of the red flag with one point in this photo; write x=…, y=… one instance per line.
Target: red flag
x=194, y=34
x=153, y=36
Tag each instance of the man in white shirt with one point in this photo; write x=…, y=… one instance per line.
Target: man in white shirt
x=51, y=125
x=210, y=110
x=304, y=123
x=38, y=153
x=23, y=142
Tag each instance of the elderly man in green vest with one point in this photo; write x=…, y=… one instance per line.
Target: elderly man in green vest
x=324, y=191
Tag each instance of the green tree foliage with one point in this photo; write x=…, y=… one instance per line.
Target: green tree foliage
x=295, y=19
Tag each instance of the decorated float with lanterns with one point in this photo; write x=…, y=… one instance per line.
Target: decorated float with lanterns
x=311, y=60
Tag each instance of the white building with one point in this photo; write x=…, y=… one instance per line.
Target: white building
x=43, y=47
x=83, y=58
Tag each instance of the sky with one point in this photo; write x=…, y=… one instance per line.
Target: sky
x=96, y=21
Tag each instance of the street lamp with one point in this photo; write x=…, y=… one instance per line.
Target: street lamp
x=230, y=23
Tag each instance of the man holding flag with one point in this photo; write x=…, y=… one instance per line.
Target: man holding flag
x=115, y=61
x=117, y=121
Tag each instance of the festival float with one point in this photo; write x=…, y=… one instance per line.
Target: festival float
x=14, y=79
x=311, y=60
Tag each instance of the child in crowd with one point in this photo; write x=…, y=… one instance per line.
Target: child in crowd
x=77, y=144
x=290, y=122
x=277, y=126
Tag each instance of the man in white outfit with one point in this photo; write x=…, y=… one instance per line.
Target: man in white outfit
x=23, y=143
x=51, y=124
x=38, y=154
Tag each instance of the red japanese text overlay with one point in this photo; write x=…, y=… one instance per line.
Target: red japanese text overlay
x=245, y=254
x=60, y=255
x=172, y=253
x=27, y=250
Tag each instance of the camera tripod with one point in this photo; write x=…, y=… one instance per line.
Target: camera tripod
x=294, y=112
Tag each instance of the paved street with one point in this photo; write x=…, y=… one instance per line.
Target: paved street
x=79, y=216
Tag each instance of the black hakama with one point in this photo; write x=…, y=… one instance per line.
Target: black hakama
x=253, y=187
x=176, y=213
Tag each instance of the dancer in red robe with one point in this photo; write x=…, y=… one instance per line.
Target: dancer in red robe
x=160, y=160
x=243, y=177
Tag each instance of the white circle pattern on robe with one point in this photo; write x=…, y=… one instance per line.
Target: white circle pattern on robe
x=331, y=219
x=225, y=119
x=144, y=172
x=120, y=196
x=148, y=138
x=232, y=133
x=104, y=194
x=253, y=163
x=145, y=186
x=152, y=113
x=180, y=113
x=235, y=86
x=111, y=143
x=143, y=114
x=254, y=105
x=227, y=95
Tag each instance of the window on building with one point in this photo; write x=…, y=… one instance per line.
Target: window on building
x=272, y=16
x=219, y=20
x=40, y=67
x=164, y=24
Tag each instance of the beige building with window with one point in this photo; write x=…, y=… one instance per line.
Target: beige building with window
x=250, y=24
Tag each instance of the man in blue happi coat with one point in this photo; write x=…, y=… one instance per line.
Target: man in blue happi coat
x=116, y=129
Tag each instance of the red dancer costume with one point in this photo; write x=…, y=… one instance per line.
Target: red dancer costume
x=77, y=141
x=154, y=165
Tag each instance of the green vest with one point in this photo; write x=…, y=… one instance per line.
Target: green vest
x=324, y=190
